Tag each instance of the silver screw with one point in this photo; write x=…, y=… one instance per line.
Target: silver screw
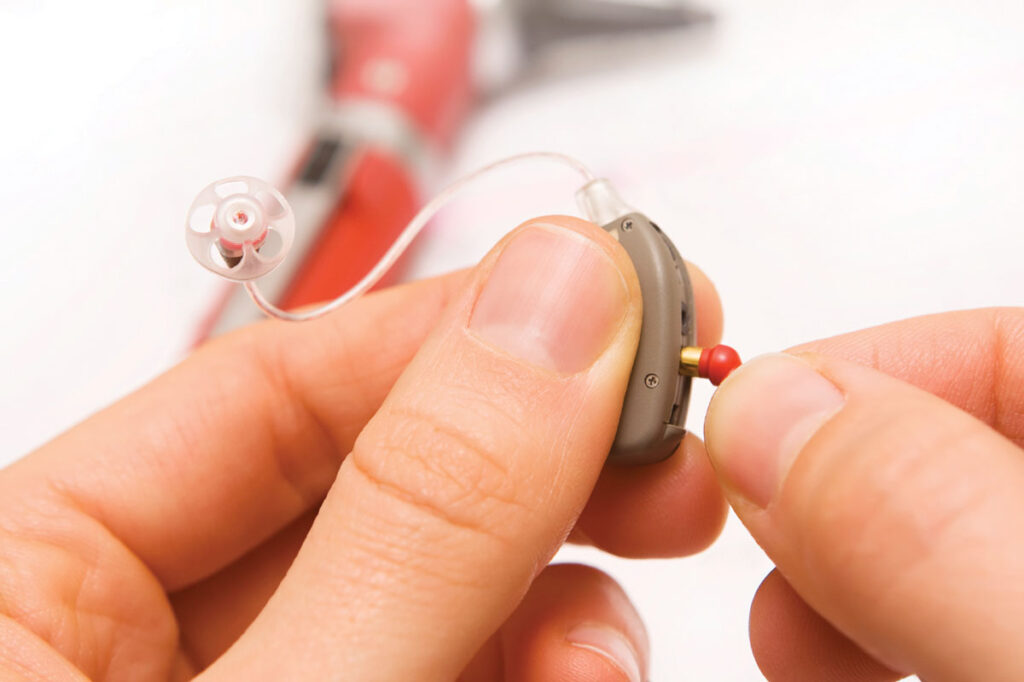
x=627, y=224
x=652, y=381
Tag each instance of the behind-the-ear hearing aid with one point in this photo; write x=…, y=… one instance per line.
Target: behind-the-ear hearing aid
x=241, y=228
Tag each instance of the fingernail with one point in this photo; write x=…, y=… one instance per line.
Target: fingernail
x=553, y=299
x=609, y=643
x=762, y=417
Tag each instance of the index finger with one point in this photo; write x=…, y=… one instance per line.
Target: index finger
x=248, y=432
x=973, y=359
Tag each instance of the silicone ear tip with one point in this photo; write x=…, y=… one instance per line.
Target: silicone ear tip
x=241, y=228
x=718, y=362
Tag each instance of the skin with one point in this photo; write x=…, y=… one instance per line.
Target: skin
x=152, y=541
x=896, y=529
x=376, y=495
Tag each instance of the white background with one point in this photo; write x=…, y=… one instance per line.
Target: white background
x=831, y=164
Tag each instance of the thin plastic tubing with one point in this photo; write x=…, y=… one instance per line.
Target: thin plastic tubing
x=414, y=227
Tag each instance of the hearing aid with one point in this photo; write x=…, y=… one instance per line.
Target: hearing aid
x=241, y=228
x=651, y=424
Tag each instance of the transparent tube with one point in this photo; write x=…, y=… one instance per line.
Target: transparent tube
x=414, y=227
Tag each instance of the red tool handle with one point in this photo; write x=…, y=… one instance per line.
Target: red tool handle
x=413, y=55
x=379, y=201
x=409, y=60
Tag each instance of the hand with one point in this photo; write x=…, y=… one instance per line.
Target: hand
x=412, y=461
x=882, y=471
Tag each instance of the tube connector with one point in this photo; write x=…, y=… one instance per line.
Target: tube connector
x=601, y=203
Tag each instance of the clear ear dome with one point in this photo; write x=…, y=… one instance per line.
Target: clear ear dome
x=240, y=228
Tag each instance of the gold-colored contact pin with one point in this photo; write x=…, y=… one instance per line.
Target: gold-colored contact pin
x=689, y=361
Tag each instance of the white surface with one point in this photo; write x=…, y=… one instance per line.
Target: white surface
x=832, y=165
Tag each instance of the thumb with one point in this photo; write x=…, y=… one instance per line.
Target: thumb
x=465, y=483
x=895, y=515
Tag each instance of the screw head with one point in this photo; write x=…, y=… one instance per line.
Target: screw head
x=651, y=381
x=627, y=225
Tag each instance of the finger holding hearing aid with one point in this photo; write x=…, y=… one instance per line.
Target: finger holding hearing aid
x=464, y=483
x=470, y=415
x=882, y=472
